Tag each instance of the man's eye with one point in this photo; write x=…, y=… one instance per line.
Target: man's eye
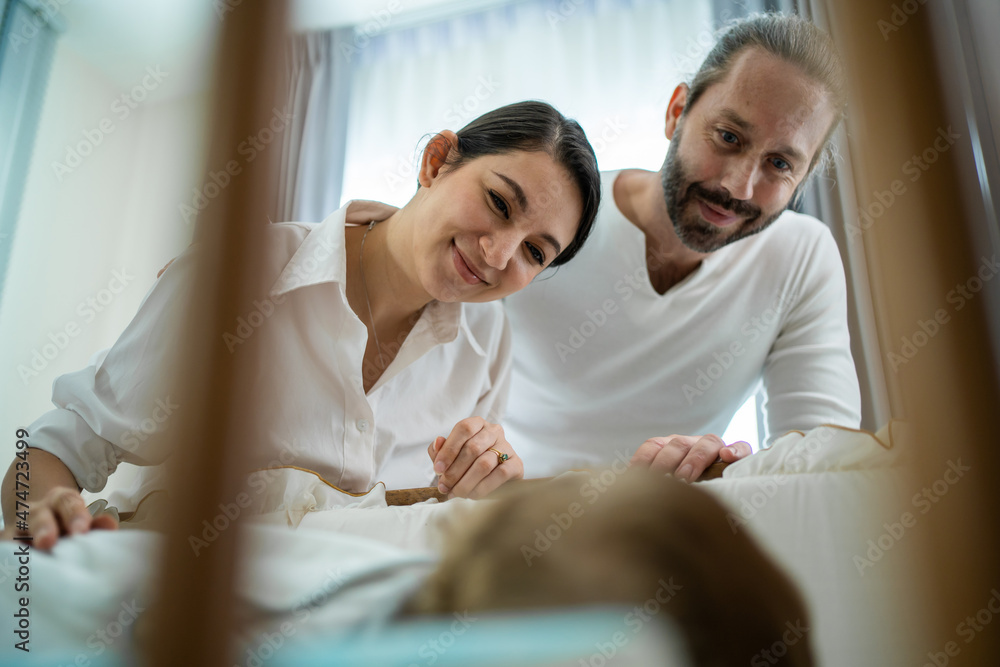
x=780, y=164
x=500, y=204
x=729, y=137
x=537, y=254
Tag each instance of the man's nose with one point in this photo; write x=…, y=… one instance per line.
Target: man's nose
x=498, y=248
x=739, y=178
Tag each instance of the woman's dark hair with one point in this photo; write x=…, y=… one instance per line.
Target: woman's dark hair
x=537, y=126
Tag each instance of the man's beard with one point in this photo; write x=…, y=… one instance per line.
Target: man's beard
x=694, y=232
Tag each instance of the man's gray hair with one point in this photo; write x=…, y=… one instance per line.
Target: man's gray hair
x=792, y=39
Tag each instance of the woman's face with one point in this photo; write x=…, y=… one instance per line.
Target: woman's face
x=486, y=228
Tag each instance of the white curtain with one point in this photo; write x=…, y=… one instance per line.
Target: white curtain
x=832, y=199
x=317, y=81
x=611, y=64
x=28, y=36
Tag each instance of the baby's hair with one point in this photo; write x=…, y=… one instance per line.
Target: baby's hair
x=644, y=536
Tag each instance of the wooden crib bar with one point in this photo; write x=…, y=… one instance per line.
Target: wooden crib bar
x=412, y=496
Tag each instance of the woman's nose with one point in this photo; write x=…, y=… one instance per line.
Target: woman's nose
x=498, y=248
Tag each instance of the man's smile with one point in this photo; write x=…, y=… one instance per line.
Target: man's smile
x=718, y=216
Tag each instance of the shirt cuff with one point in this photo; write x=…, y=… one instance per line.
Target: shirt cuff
x=64, y=434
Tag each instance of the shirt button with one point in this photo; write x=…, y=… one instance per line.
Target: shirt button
x=362, y=424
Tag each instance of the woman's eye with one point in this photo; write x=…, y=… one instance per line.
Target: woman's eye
x=536, y=254
x=780, y=164
x=729, y=137
x=500, y=204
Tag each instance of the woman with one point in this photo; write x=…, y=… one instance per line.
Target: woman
x=373, y=336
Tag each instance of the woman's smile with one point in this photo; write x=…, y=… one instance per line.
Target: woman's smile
x=496, y=221
x=466, y=269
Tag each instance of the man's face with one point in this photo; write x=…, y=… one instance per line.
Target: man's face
x=746, y=146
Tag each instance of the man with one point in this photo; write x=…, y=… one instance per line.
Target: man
x=697, y=285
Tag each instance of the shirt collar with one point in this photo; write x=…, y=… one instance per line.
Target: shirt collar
x=446, y=320
x=321, y=258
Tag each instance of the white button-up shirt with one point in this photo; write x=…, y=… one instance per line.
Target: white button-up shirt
x=314, y=412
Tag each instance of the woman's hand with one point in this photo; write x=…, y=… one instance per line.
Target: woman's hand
x=62, y=511
x=466, y=463
x=687, y=456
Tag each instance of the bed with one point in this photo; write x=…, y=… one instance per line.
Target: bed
x=331, y=569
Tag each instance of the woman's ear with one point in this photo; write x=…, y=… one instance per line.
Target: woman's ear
x=674, y=110
x=436, y=155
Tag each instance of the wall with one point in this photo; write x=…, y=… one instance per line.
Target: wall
x=92, y=236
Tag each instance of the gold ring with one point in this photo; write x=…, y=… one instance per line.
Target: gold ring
x=501, y=457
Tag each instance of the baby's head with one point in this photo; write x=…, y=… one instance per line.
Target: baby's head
x=644, y=536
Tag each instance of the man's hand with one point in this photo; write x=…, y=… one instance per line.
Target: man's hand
x=687, y=456
x=62, y=511
x=466, y=465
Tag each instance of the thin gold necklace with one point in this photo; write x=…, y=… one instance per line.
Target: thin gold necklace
x=364, y=283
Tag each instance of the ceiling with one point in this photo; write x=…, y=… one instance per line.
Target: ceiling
x=120, y=39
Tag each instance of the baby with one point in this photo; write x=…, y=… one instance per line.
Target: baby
x=642, y=536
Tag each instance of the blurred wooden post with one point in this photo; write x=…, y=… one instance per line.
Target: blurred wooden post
x=918, y=248
x=419, y=495
x=194, y=609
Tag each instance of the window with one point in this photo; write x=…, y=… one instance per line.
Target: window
x=27, y=40
x=611, y=64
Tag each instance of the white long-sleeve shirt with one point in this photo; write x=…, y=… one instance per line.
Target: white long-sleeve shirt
x=314, y=412
x=602, y=361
